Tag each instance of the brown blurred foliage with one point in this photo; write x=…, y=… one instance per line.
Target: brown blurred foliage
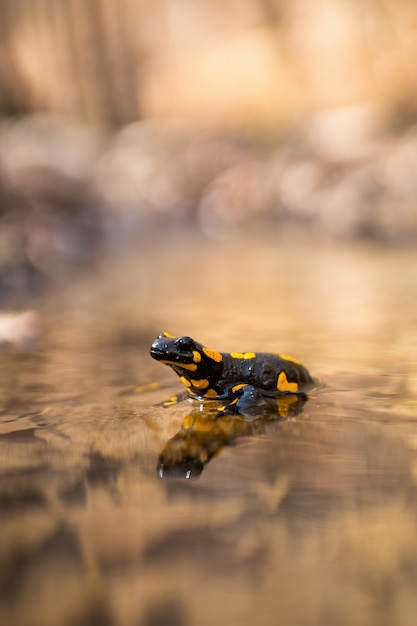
x=242, y=61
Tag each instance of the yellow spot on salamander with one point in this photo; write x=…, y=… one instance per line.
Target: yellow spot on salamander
x=200, y=384
x=239, y=386
x=289, y=358
x=284, y=385
x=224, y=406
x=168, y=335
x=213, y=354
x=242, y=355
x=186, y=366
x=204, y=456
x=196, y=356
x=185, y=381
x=211, y=393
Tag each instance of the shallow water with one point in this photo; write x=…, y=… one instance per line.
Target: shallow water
x=310, y=519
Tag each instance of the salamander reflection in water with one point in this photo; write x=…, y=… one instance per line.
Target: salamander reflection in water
x=238, y=379
x=204, y=433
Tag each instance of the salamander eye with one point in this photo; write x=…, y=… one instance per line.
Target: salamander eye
x=184, y=343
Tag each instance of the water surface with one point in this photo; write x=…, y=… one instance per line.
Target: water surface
x=306, y=520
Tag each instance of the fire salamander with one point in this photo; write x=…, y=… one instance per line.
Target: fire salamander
x=241, y=380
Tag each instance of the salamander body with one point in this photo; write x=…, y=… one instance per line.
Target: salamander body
x=241, y=378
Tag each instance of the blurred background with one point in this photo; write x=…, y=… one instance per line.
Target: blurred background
x=119, y=120
x=243, y=172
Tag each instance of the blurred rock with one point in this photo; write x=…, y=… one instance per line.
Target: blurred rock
x=69, y=195
x=50, y=222
x=343, y=133
x=19, y=329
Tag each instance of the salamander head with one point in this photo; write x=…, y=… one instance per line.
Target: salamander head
x=176, y=350
x=198, y=367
